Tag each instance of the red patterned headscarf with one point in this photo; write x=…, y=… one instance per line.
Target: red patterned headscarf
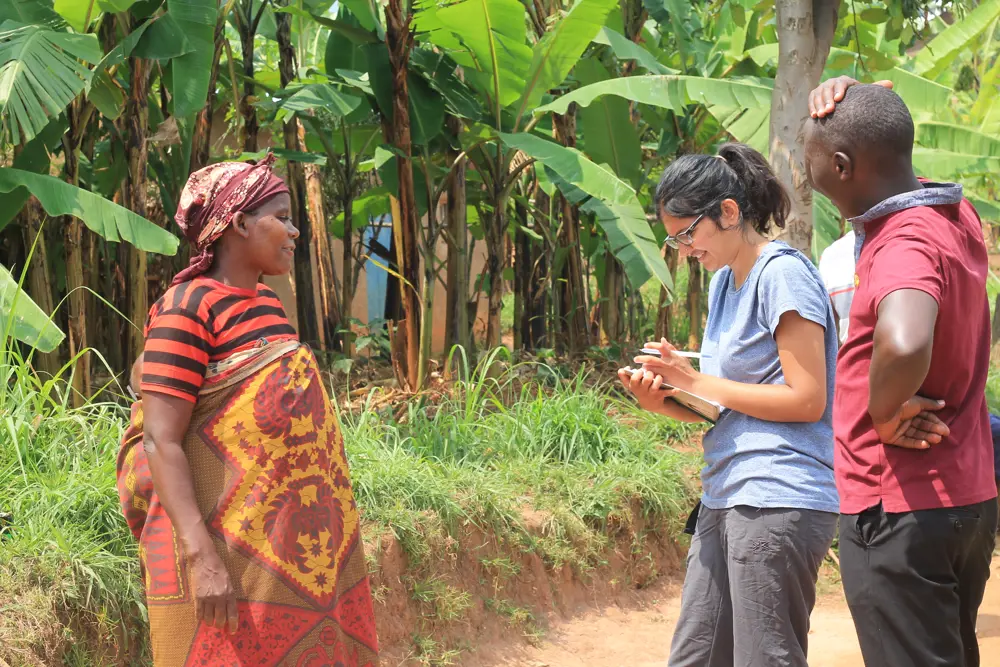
x=212, y=196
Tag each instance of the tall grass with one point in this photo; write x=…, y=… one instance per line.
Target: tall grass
x=64, y=544
x=525, y=441
x=492, y=450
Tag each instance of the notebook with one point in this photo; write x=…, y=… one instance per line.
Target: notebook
x=704, y=408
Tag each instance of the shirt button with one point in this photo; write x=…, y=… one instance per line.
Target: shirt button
x=958, y=524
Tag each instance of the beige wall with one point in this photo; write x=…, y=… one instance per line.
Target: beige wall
x=283, y=286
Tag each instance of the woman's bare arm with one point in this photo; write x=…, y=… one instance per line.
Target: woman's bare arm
x=165, y=422
x=802, y=397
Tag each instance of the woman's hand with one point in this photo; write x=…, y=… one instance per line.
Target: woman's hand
x=673, y=368
x=646, y=387
x=215, y=600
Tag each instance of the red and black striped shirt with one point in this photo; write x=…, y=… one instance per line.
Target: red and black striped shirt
x=203, y=321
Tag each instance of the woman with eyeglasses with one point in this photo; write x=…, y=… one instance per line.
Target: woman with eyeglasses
x=769, y=505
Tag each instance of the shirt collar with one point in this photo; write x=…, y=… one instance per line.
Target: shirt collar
x=932, y=194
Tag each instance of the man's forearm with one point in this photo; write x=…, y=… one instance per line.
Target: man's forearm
x=901, y=354
x=895, y=377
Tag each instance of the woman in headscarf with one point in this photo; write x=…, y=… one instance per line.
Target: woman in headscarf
x=238, y=488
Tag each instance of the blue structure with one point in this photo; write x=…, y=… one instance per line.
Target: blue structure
x=379, y=229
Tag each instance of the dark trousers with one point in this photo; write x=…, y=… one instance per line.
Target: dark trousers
x=914, y=582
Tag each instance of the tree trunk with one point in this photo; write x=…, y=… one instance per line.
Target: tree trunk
x=570, y=289
x=694, y=304
x=495, y=231
x=325, y=278
x=399, y=41
x=248, y=32
x=39, y=287
x=540, y=285
x=995, y=335
x=201, y=140
x=347, y=267
x=805, y=33
x=456, y=327
x=613, y=299
x=522, y=280
x=305, y=297
x=665, y=307
x=136, y=122
x=73, y=241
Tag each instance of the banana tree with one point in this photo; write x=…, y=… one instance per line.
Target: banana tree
x=43, y=71
x=489, y=41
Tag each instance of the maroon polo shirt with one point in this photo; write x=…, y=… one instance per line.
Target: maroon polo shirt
x=938, y=250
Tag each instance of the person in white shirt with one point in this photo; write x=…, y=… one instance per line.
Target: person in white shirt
x=836, y=267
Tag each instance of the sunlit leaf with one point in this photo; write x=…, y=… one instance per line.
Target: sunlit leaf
x=40, y=74
x=105, y=218
x=938, y=53
x=26, y=321
x=673, y=92
x=560, y=49
x=612, y=202
x=492, y=33
x=192, y=71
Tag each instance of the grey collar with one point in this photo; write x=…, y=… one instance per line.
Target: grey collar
x=932, y=194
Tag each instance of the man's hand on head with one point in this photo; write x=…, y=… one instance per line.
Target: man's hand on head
x=914, y=426
x=823, y=99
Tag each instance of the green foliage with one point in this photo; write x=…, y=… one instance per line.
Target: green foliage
x=674, y=92
x=21, y=318
x=191, y=72
x=614, y=204
x=486, y=38
x=941, y=51
x=105, y=218
x=559, y=50
x=40, y=74
x=65, y=546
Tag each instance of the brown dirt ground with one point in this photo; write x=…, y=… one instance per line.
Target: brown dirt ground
x=639, y=635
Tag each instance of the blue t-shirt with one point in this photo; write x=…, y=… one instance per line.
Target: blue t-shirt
x=749, y=461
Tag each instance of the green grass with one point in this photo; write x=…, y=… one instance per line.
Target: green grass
x=66, y=546
x=530, y=441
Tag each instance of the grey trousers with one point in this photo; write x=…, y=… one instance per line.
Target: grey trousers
x=750, y=587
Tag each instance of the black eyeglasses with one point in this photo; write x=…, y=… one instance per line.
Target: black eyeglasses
x=685, y=237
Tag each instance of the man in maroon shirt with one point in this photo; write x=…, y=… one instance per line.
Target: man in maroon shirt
x=913, y=456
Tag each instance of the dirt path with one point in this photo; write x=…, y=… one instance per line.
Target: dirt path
x=615, y=637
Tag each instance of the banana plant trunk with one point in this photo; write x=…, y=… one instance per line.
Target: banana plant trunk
x=305, y=285
x=248, y=33
x=399, y=41
x=347, y=269
x=324, y=276
x=457, y=329
x=613, y=299
x=540, y=288
x=570, y=290
x=495, y=233
x=201, y=139
x=694, y=304
x=134, y=192
x=805, y=32
x=39, y=283
x=73, y=239
x=665, y=305
x=522, y=279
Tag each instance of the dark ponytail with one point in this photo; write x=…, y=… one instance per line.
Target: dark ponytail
x=697, y=185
